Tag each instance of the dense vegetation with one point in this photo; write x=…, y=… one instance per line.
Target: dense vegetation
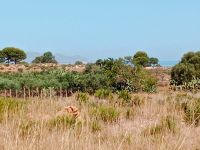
x=112, y=74
x=187, y=71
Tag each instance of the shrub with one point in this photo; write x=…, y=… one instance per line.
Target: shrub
x=107, y=114
x=187, y=69
x=124, y=96
x=62, y=122
x=150, y=84
x=182, y=73
x=102, y=93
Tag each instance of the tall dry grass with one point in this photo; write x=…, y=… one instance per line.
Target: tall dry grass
x=151, y=121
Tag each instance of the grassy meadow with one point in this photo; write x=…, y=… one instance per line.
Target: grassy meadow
x=164, y=120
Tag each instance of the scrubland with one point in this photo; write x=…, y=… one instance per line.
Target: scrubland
x=164, y=120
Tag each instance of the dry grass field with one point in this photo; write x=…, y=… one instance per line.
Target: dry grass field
x=165, y=120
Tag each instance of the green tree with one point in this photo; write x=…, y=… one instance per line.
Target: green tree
x=12, y=54
x=153, y=61
x=140, y=58
x=47, y=57
x=78, y=62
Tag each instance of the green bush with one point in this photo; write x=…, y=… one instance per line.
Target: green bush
x=150, y=84
x=124, y=96
x=182, y=73
x=62, y=122
x=102, y=93
x=187, y=69
x=107, y=114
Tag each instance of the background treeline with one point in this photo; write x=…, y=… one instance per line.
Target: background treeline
x=15, y=55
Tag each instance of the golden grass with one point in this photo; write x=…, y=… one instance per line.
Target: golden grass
x=157, y=122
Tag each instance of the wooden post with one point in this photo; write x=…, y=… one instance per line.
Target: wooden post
x=37, y=91
x=10, y=93
x=29, y=93
x=5, y=92
x=60, y=92
x=50, y=93
x=41, y=93
x=24, y=93
x=16, y=94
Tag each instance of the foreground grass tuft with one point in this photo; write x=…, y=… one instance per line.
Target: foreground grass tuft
x=62, y=122
x=108, y=114
x=166, y=125
x=192, y=111
x=10, y=107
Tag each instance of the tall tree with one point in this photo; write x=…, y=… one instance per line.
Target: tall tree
x=140, y=58
x=12, y=54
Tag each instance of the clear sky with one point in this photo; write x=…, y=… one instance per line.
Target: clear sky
x=102, y=28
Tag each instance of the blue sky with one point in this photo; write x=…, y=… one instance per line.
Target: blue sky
x=104, y=28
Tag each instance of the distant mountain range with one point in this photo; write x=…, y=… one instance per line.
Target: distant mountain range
x=61, y=58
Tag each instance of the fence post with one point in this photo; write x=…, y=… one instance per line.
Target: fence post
x=29, y=93
x=24, y=93
x=60, y=92
x=5, y=92
x=16, y=94
x=10, y=93
x=50, y=92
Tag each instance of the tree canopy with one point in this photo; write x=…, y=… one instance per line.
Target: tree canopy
x=12, y=54
x=47, y=57
x=78, y=62
x=141, y=58
x=153, y=61
x=187, y=69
